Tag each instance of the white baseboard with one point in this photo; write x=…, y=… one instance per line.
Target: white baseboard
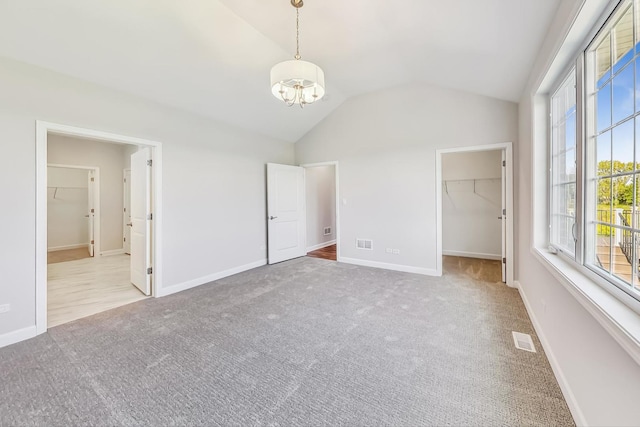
x=480, y=255
x=321, y=245
x=17, y=336
x=572, y=403
x=209, y=278
x=64, y=248
x=388, y=266
x=112, y=252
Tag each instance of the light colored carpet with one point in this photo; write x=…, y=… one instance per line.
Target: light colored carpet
x=305, y=342
x=67, y=255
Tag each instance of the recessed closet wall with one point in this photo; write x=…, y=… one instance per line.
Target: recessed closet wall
x=472, y=204
x=67, y=204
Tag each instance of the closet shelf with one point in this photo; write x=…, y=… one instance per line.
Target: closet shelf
x=446, y=183
x=55, y=189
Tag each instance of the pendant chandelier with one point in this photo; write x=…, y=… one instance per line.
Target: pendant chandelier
x=297, y=81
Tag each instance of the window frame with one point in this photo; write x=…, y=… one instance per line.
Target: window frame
x=577, y=64
x=564, y=76
x=614, y=310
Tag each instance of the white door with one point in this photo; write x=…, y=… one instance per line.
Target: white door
x=141, y=220
x=126, y=214
x=91, y=209
x=285, y=212
x=503, y=217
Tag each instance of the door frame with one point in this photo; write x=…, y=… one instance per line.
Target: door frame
x=507, y=148
x=125, y=213
x=43, y=129
x=96, y=200
x=337, y=181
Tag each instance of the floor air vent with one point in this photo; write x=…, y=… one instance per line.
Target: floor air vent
x=364, y=244
x=523, y=341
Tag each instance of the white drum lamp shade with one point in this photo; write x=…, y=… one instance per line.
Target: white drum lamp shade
x=297, y=81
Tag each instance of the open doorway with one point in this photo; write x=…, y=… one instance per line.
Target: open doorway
x=320, y=194
x=475, y=205
x=289, y=209
x=90, y=216
x=85, y=210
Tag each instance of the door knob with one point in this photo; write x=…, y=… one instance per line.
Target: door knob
x=130, y=224
x=273, y=217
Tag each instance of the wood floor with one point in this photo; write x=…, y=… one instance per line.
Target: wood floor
x=329, y=252
x=81, y=288
x=67, y=255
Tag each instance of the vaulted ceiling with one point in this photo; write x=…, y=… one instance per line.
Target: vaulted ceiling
x=213, y=57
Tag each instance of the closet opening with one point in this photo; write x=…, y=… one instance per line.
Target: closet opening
x=475, y=209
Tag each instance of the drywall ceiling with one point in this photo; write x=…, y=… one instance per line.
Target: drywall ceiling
x=213, y=57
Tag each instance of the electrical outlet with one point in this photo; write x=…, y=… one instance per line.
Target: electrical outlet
x=396, y=251
x=389, y=250
x=5, y=308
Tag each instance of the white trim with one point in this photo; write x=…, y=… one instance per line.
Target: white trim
x=112, y=252
x=337, y=172
x=321, y=245
x=96, y=199
x=66, y=247
x=209, y=278
x=508, y=148
x=42, y=130
x=17, y=336
x=618, y=319
x=387, y=266
x=124, y=213
x=496, y=257
x=567, y=392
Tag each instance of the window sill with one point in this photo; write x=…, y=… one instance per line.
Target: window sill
x=618, y=319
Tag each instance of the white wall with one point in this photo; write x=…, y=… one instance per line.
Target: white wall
x=471, y=204
x=127, y=151
x=602, y=380
x=320, y=184
x=67, y=205
x=385, y=143
x=213, y=180
x=110, y=159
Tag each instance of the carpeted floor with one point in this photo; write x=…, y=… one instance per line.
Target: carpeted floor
x=305, y=342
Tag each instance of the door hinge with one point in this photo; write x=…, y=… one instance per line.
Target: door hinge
x=149, y=162
x=92, y=210
x=92, y=242
x=504, y=163
x=124, y=239
x=149, y=270
x=504, y=260
x=504, y=211
x=92, y=179
x=150, y=216
x=125, y=209
x=125, y=180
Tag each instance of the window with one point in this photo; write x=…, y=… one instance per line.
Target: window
x=595, y=154
x=563, y=166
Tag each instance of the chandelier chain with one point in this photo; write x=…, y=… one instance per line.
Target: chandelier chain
x=297, y=33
